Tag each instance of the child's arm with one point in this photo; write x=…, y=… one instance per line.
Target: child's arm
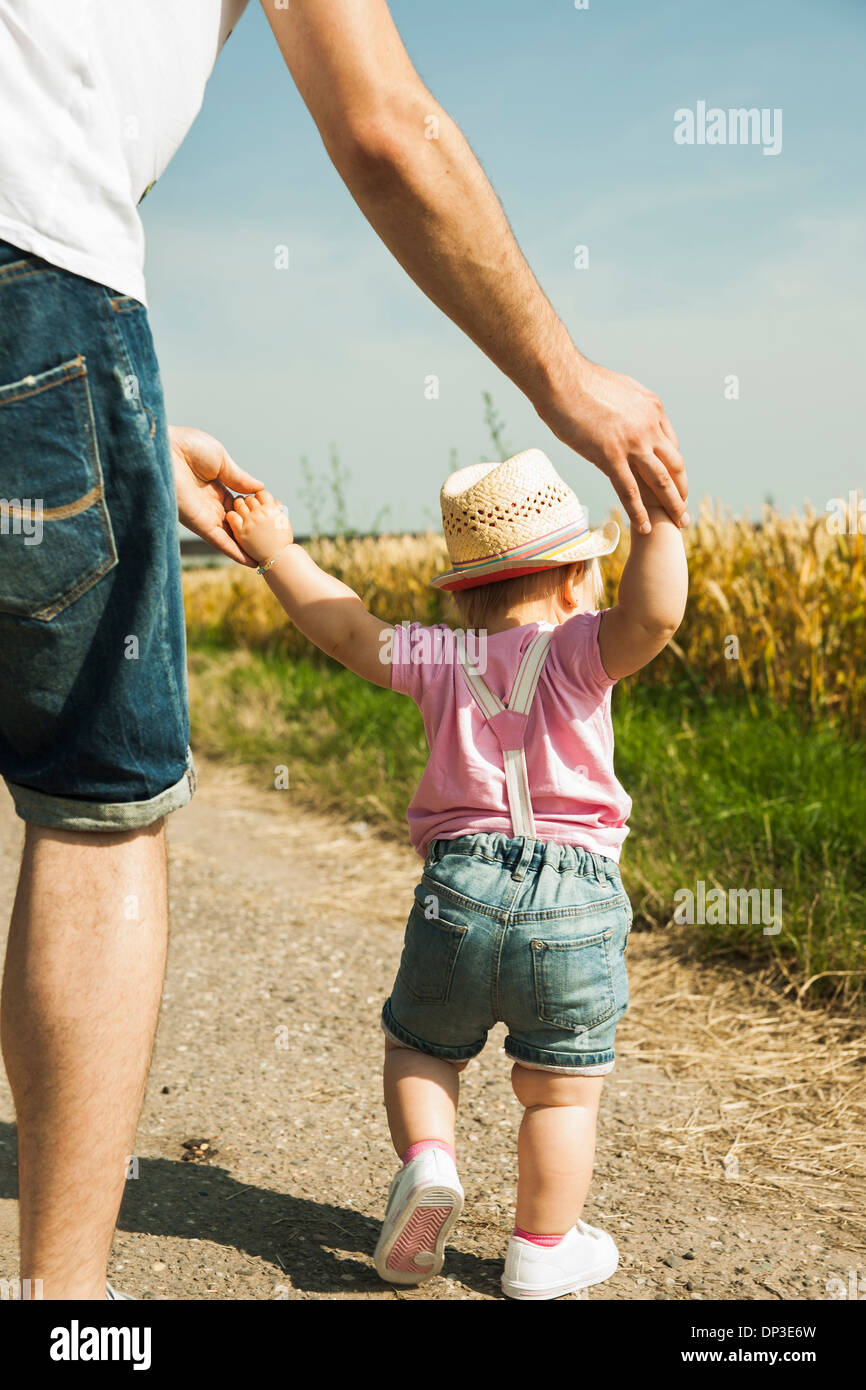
x=322, y=607
x=651, y=599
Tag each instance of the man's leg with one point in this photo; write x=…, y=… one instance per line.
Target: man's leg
x=81, y=992
x=94, y=737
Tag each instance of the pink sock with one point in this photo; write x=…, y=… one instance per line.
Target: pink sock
x=538, y=1240
x=415, y=1149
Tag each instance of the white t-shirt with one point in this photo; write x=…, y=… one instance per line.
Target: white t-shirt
x=95, y=97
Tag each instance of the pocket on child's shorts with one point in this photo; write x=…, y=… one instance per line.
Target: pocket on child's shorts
x=430, y=950
x=582, y=982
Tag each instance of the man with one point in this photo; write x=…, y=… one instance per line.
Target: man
x=96, y=95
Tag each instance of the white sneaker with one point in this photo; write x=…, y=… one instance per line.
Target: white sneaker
x=424, y=1202
x=114, y=1296
x=584, y=1256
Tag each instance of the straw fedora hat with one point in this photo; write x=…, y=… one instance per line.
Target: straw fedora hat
x=517, y=517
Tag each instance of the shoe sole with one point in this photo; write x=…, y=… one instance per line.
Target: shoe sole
x=422, y=1228
x=528, y=1292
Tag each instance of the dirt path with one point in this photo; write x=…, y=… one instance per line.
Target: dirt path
x=730, y=1162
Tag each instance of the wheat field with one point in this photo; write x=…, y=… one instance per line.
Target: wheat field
x=776, y=607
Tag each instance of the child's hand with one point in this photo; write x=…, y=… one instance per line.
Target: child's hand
x=260, y=526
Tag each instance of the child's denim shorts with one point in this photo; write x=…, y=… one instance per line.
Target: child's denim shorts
x=522, y=931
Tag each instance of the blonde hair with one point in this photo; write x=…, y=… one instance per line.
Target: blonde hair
x=477, y=605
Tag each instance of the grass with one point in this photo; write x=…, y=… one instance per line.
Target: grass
x=744, y=797
x=738, y=794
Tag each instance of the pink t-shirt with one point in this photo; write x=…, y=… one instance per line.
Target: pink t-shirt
x=576, y=799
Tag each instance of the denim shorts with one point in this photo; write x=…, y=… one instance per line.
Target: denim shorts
x=94, y=731
x=520, y=931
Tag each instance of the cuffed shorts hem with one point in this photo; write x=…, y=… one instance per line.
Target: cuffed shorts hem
x=544, y=1059
x=62, y=813
x=392, y=1029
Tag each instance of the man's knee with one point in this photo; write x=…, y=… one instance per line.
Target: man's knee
x=34, y=833
x=533, y=1087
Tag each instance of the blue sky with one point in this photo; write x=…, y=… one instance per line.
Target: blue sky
x=704, y=261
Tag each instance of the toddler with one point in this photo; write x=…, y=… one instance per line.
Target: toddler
x=520, y=915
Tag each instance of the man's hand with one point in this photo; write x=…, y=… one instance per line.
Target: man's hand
x=412, y=173
x=204, y=473
x=622, y=428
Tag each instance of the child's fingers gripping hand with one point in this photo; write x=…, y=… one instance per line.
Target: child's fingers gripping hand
x=260, y=525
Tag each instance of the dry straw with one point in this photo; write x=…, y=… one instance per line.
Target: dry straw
x=776, y=1094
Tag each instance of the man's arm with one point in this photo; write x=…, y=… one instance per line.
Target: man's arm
x=429, y=201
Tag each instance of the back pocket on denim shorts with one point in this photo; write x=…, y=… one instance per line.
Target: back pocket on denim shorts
x=55, y=533
x=430, y=949
x=574, y=981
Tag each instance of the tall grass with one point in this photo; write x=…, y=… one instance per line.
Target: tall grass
x=775, y=609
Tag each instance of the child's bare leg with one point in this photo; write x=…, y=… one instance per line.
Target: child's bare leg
x=425, y=1198
x=555, y=1147
x=420, y=1096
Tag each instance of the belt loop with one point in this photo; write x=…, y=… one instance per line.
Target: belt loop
x=525, y=857
x=599, y=868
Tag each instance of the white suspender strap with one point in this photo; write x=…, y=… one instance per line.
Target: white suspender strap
x=519, y=798
x=526, y=680
x=509, y=724
x=490, y=703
